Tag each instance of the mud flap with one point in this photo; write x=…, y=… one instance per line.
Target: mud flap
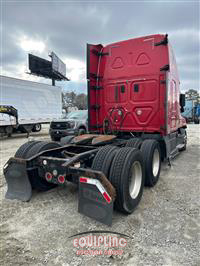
x=94, y=201
x=18, y=184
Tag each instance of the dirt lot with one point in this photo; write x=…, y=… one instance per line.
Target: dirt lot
x=164, y=228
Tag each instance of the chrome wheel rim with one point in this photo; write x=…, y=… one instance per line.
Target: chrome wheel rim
x=135, y=180
x=156, y=162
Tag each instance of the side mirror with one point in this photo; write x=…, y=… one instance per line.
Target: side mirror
x=182, y=102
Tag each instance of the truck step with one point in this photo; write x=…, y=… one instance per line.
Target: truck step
x=174, y=153
x=180, y=146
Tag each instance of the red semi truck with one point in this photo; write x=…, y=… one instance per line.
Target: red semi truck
x=135, y=122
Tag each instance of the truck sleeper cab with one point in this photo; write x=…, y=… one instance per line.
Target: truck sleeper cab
x=134, y=121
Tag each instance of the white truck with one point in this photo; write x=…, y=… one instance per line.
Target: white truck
x=25, y=105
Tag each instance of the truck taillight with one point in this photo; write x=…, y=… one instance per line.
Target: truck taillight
x=61, y=179
x=48, y=176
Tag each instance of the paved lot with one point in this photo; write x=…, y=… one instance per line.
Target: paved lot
x=164, y=228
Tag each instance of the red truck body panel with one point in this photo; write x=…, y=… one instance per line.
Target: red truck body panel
x=133, y=86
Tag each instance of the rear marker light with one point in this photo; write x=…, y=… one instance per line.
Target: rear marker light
x=48, y=176
x=106, y=197
x=83, y=180
x=61, y=179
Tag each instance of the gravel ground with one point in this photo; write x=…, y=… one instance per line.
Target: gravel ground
x=164, y=227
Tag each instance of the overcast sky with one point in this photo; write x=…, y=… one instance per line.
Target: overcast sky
x=66, y=26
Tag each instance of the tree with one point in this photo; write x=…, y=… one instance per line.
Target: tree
x=192, y=95
x=71, y=99
x=81, y=101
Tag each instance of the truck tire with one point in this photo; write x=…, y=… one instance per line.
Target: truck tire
x=37, y=128
x=152, y=161
x=22, y=151
x=41, y=146
x=66, y=140
x=103, y=159
x=134, y=143
x=55, y=138
x=127, y=176
x=36, y=177
x=9, y=131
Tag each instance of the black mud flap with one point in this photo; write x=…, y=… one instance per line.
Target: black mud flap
x=18, y=183
x=94, y=201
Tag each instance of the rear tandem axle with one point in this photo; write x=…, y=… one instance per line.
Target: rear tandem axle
x=107, y=175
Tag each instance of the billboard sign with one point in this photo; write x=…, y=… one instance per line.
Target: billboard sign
x=39, y=66
x=54, y=69
x=57, y=65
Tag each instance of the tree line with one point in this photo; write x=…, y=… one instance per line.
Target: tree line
x=79, y=101
x=192, y=94
x=74, y=100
